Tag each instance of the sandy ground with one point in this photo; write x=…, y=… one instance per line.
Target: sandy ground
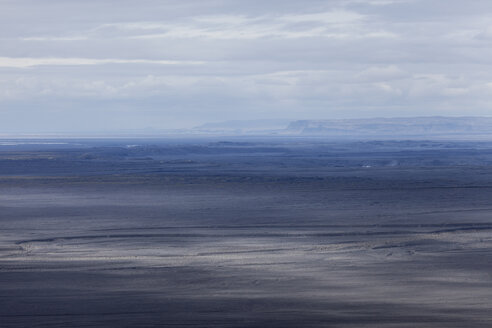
x=385, y=247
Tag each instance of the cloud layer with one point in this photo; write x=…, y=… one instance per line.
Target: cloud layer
x=162, y=64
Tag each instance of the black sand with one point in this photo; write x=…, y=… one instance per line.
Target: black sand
x=282, y=233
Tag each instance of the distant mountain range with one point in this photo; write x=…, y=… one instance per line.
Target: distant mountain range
x=244, y=126
x=395, y=127
x=368, y=128
x=399, y=127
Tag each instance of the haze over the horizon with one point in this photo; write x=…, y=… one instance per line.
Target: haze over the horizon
x=94, y=65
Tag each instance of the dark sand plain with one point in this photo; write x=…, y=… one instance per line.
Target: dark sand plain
x=245, y=233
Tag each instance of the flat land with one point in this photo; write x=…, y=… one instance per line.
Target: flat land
x=245, y=233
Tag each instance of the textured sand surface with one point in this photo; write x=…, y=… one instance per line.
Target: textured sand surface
x=405, y=246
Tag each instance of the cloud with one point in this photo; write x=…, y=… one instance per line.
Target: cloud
x=54, y=38
x=379, y=2
x=24, y=62
x=330, y=17
x=382, y=73
x=341, y=24
x=213, y=59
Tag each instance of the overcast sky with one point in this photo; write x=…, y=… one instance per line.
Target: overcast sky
x=89, y=65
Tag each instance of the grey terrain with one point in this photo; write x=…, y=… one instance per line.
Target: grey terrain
x=245, y=232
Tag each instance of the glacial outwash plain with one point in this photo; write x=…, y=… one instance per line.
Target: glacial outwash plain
x=245, y=232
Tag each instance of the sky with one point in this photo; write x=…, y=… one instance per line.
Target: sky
x=107, y=65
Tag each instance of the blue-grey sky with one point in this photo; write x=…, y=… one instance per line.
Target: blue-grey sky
x=118, y=64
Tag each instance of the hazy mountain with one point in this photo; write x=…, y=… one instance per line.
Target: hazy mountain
x=395, y=127
x=386, y=128
x=266, y=126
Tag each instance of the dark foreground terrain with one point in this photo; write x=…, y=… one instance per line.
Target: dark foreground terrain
x=245, y=233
